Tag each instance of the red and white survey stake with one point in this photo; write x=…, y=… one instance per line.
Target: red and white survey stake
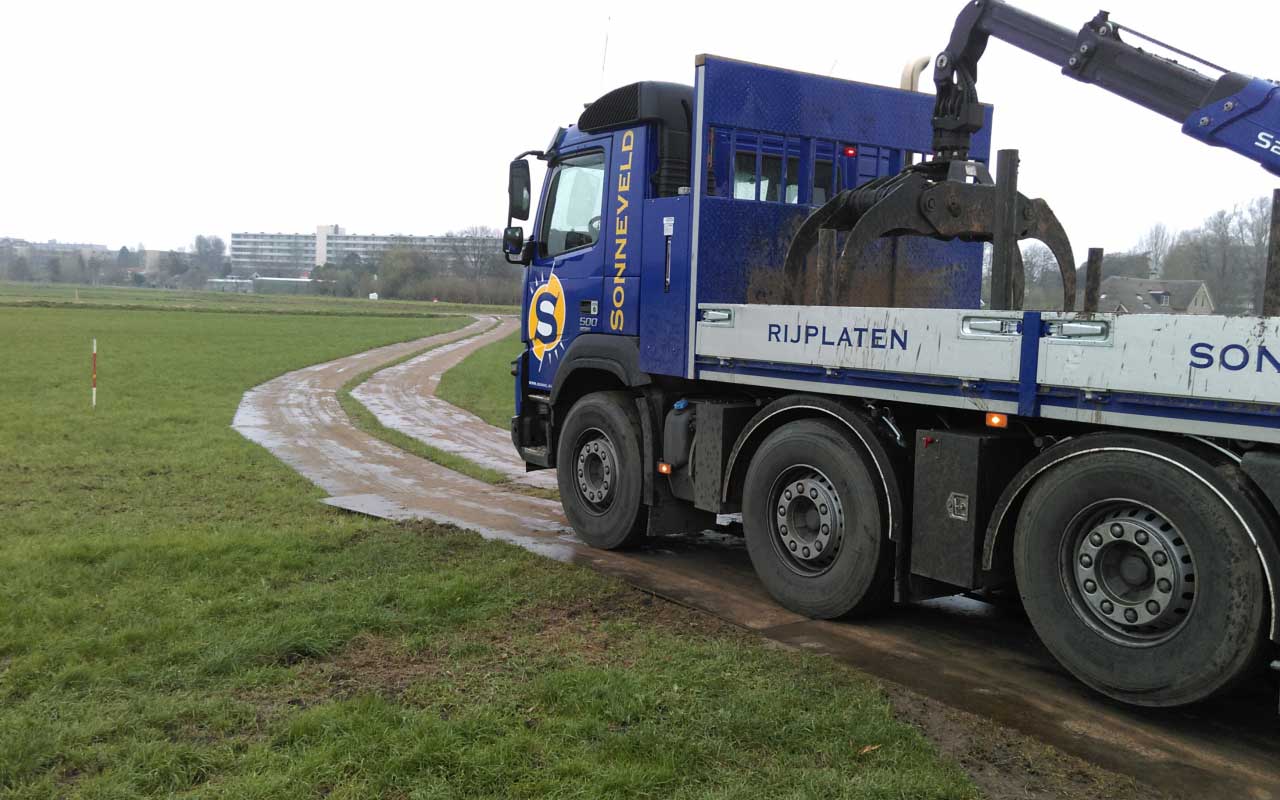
x=93, y=392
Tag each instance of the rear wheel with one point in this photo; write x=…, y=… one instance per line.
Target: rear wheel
x=811, y=515
x=1140, y=579
x=599, y=471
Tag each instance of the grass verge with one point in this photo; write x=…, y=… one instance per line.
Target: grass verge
x=481, y=384
x=179, y=616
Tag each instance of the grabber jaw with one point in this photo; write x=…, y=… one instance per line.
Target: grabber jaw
x=944, y=201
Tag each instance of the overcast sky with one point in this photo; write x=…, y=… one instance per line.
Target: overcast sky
x=132, y=122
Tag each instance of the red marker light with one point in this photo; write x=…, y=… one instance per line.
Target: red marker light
x=850, y=152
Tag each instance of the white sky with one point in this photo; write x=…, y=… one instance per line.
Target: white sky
x=132, y=122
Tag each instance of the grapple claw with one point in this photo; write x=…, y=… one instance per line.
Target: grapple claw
x=923, y=201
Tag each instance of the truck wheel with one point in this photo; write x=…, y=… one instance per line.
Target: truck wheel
x=1140, y=580
x=598, y=469
x=811, y=515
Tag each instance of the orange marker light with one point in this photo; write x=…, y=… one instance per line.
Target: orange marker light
x=997, y=421
x=664, y=468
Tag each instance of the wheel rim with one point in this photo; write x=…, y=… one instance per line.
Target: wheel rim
x=806, y=520
x=1129, y=572
x=597, y=465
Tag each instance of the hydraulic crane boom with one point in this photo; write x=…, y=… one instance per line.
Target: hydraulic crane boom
x=1235, y=111
x=953, y=197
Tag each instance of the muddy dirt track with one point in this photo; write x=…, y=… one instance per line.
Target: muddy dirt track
x=970, y=656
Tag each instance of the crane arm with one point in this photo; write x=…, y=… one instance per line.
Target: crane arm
x=1235, y=111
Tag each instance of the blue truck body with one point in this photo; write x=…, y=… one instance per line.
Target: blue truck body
x=839, y=132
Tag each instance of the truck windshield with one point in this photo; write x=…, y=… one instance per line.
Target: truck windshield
x=574, y=202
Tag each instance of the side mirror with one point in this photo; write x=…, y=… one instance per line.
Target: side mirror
x=518, y=190
x=513, y=240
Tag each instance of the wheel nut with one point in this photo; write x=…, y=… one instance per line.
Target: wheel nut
x=793, y=546
x=817, y=546
x=1090, y=587
x=1153, y=607
x=1107, y=607
x=1096, y=540
x=1141, y=537
x=1117, y=530
x=805, y=552
x=1164, y=585
x=784, y=530
x=813, y=494
x=782, y=511
x=1130, y=615
x=1086, y=561
x=1161, y=559
x=822, y=509
x=826, y=529
x=800, y=488
x=788, y=495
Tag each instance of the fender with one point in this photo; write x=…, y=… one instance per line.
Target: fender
x=1207, y=464
x=808, y=406
x=617, y=355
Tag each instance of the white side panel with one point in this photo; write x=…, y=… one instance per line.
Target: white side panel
x=1205, y=357
x=904, y=340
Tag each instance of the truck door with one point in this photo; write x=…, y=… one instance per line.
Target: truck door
x=568, y=263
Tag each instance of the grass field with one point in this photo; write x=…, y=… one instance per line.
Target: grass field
x=61, y=294
x=179, y=616
x=482, y=383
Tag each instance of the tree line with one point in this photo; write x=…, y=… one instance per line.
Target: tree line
x=472, y=271
x=1228, y=251
x=172, y=269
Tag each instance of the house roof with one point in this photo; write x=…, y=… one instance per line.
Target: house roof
x=1136, y=294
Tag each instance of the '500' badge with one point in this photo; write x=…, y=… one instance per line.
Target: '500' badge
x=545, y=324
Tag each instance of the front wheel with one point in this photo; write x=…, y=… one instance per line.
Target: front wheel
x=598, y=467
x=1140, y=579
x=811, y=516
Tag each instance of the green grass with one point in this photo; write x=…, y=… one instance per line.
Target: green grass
x=482, y=383
x=61, y=294
x=179, y=616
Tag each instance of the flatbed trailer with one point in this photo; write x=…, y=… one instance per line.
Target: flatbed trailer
x=697, y=355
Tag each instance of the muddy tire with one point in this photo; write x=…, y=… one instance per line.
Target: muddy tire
x=812, y=518
x=1140, y=580
x=599, y=471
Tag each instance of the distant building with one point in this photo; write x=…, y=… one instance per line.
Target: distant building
x=284, y=253
x=239, y=285
x=294, y=254
x=54, y=249
x=1144, y=296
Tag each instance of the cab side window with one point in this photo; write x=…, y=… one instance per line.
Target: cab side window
x=574, y=203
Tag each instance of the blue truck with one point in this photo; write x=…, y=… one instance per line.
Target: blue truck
x=756, y=302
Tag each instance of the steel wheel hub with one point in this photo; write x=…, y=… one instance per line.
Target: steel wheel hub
x=596, y=468
x=1131, y=572
x=807, y=519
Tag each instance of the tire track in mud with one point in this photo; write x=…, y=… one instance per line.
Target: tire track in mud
x=403, y=397
x=981, y=659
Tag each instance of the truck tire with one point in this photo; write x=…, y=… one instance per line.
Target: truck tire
x=599, y=471
x=813, y=525
x=1140, y=579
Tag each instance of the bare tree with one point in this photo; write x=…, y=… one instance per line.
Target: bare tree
x=1156, y=243
x=476, y=251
